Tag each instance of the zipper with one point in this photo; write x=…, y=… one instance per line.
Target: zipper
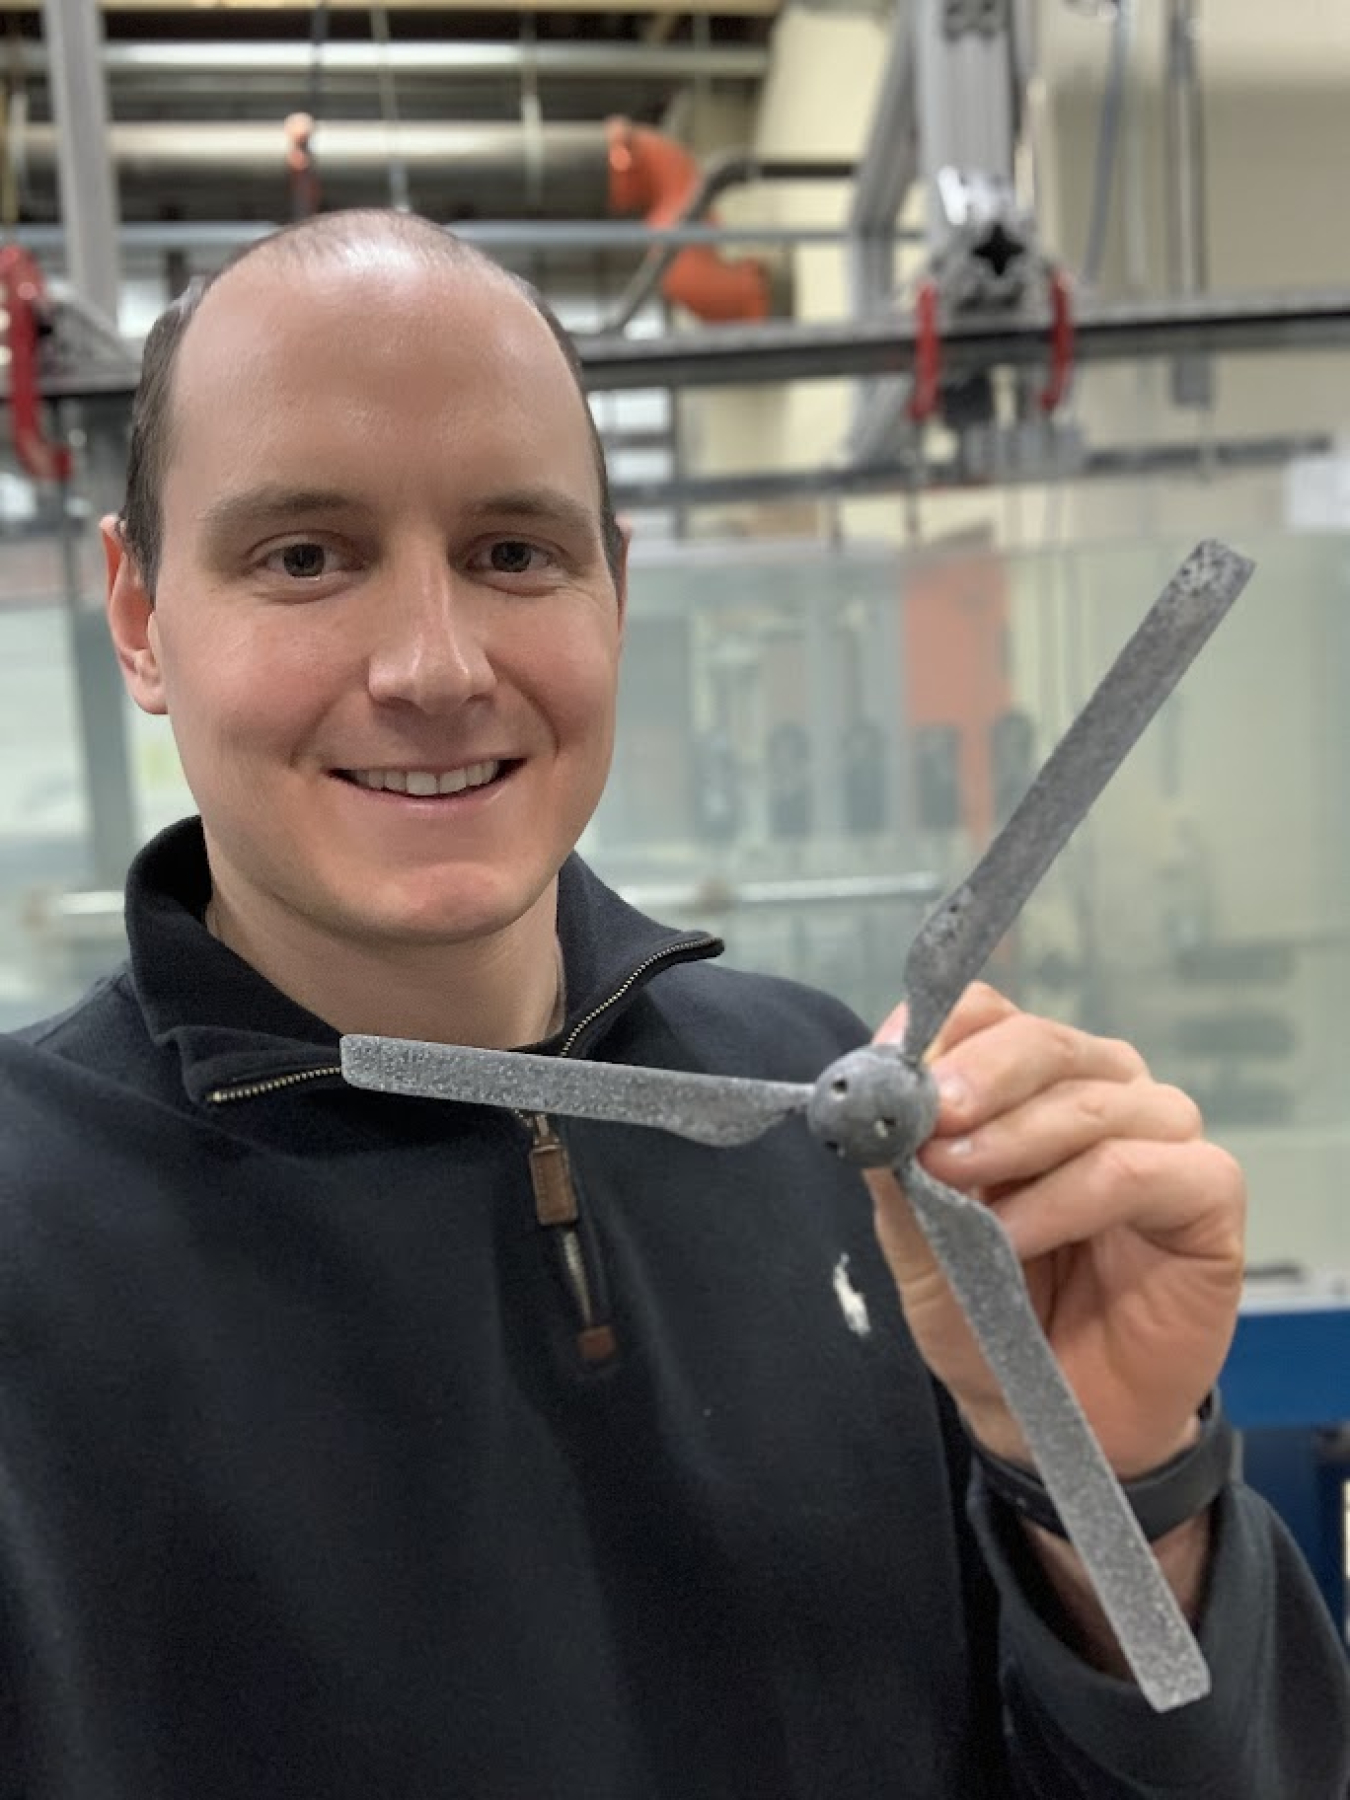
x=555, y=1207
x=252, y=1090
x=555, y=1195
x=627, y=985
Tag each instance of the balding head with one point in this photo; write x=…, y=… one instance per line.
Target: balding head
x=362, y=237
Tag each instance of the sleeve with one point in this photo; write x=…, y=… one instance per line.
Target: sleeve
x=1276, y=1723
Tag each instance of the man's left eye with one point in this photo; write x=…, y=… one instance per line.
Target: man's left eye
x=303, y=561
x=512, y=556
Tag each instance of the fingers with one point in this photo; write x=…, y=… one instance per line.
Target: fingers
x=1065, y=1134
x=1188, y=1198
x=1052, y=1127
x=1127, y=1223
x=987, y=1045
x=1006, y=1057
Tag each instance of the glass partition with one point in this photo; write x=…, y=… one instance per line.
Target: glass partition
x=815, y=742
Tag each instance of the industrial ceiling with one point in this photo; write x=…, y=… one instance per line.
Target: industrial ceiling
x=494, y=113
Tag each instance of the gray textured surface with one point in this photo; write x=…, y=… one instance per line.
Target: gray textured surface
x=986, y=1277
x=873, y=1107
x=710, y=1109
x=954, y=942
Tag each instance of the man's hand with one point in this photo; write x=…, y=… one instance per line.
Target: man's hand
x=1127, y=1221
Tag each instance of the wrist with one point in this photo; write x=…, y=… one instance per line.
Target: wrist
x=1162, y=1499
x=1183, y=1556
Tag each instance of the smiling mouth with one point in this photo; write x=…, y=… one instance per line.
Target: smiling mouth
x=427, y=784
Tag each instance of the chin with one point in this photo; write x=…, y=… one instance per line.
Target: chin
x=453, y=912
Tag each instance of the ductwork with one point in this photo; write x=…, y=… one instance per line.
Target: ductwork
x=580, y=60
x=654, y=175
x=455, y=172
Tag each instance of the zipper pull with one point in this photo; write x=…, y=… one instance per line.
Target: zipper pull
x=555, y=1198
x=555, y=1204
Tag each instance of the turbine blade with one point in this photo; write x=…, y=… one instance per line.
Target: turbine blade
x=982, y=1268
x=710, y=1109
x=954, y=942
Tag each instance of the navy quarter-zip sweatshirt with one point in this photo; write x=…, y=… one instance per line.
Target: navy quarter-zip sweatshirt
x=374, y=1448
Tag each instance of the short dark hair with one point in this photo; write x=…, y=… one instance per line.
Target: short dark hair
x=141, y=522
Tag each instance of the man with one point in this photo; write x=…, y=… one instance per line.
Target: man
x=356, y=1445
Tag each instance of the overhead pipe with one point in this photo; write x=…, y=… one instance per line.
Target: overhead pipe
x=858, y=481
x=580, y=61
x=256, y=147
x=652, y=174
x=487, y=161
x=731, y=169
x=620, y=166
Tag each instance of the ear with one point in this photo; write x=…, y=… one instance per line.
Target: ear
x=131, y=620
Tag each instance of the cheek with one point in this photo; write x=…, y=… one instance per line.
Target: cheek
x=583, y=690
x=230, y=677
x=574, y=667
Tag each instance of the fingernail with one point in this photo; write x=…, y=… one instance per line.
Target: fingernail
x=961, y=1146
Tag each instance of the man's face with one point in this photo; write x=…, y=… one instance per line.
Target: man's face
x=384, y=628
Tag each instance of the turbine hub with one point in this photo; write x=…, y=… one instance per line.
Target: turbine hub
x=873, y=1107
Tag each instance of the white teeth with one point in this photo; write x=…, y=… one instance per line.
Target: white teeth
x=422, y=783
x=476, y=775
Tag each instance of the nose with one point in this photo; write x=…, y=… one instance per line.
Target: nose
x=430, y=633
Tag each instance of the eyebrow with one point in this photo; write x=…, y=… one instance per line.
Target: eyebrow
x=548, y=505
x=271, y=504
x=267, y=505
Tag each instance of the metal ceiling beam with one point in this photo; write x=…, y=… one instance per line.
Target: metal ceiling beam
x=551, y=61
x=493, y=235
x=713, y=356
x=1117, y=461
x=714, y=8
x=717, y=356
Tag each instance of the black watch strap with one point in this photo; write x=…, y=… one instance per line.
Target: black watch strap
x=1161, y=1500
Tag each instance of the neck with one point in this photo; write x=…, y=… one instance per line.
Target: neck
x=499, y=992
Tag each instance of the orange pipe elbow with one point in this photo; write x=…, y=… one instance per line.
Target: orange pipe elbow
x=651, y=174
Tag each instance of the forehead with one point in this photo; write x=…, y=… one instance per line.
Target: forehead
x=362, y=356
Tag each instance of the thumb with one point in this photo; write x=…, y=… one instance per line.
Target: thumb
x=904, y=1245
x=892, y=1028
